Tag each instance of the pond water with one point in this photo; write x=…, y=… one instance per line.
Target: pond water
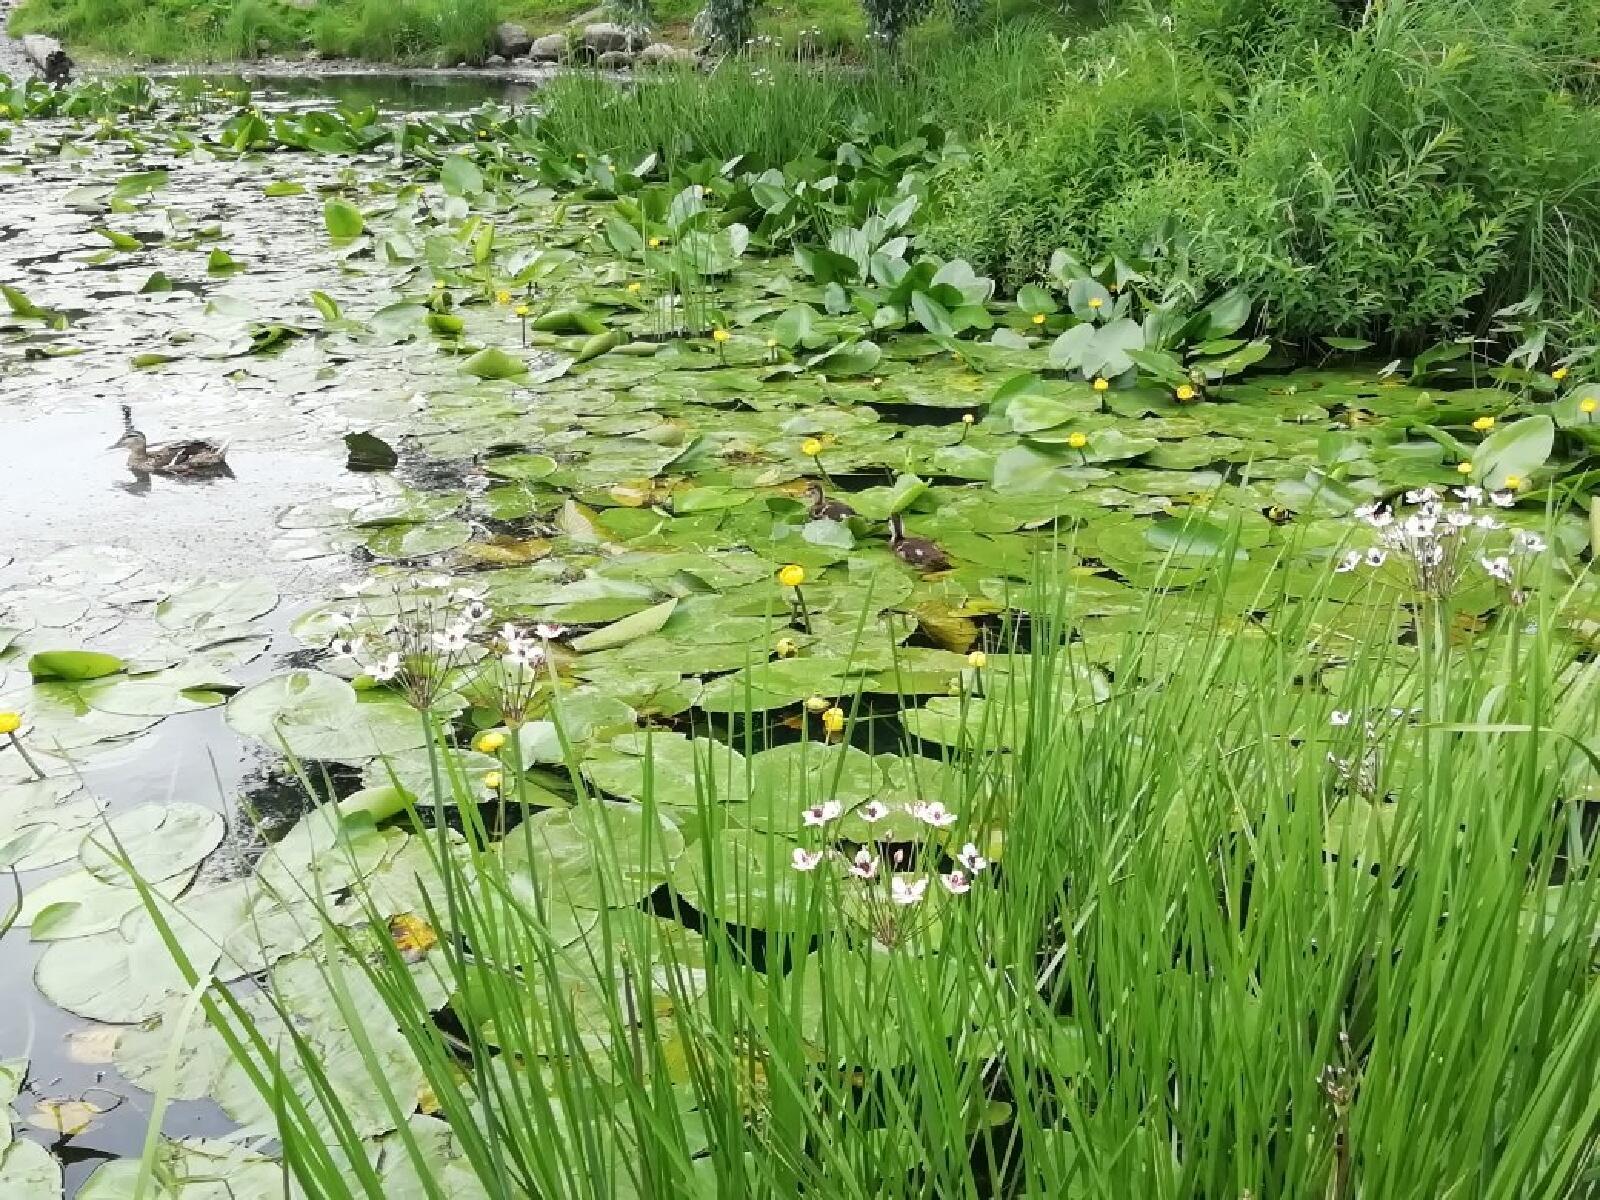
x=197, y=276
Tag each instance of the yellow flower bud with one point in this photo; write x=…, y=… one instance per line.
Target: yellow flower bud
x=489, y=743
x=492, y=781
x=772, y=343
x=817, y=704
x=1483, y=424
x=502, y=297
x=633, y=288
x=1077, y=440
x=1038, y=318
x=1096, y=302
x=1513, y=482
x=811, y=447
x=10, y=722
x=1185, y=393
x=1587, y=405
x=833, y=719
x=1100, y=384
x=1463, y=468
x=720, y=335
x=654, y=243
x=786, y=648
x=1559, y=374
x=967, y=418
x=522, y=310
x=977, y=660
x=792, y=576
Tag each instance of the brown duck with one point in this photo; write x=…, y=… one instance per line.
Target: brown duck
x=823, y=509
x=918, y=552
x=194, y=457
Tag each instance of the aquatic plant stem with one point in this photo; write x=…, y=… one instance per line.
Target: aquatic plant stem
x=26, y=757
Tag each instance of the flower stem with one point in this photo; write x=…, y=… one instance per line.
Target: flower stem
x=28, y=758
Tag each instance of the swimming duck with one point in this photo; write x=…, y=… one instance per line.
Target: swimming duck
x=918, y=552
x=196, y=457
x=823, y=509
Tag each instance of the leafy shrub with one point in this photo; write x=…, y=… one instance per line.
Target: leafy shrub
x=1130, y=102
x=1402, y=175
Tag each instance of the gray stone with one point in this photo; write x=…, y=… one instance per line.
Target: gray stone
x=550, y=48
x=659, y=54
x=494, y=60
x=39, y=48
x=511, y=39
x=605, y=36
x=614, y=60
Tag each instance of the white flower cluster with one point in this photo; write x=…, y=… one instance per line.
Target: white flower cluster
x=1432, y=539
x=441, y=627
x=864, y=865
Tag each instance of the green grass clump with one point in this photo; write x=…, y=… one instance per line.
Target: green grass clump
x=776, y=108
x=1229, y=946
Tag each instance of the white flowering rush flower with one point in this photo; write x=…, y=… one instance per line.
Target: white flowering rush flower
x=821, y=814
x=452, y=640
x=345, y=647
x=1498, y=568
x=932, y=813
x=386, y=668
x=873, y=811
x=864, y=865
x=907, y=892
x=1339, y=718
x=805, y=860
x=549, y=632
x=971, y=859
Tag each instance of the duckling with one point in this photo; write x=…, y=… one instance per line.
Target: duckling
x=195, y=457
x=918, y=552
x=823, y=509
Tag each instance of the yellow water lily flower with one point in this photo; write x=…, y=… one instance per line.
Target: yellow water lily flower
x=492, y=781
x=1100, y=384
x=489, y=743
x=811, y=447
x=10, y=722
x=1077, y=440
x=654, y=243
x=1038, y=318
x=786, y=648
x=1483, y=424
x=967, y=418
x=833, y=719
x=792, y=576
x=1514, y=482
x=633, y=288
x=720, y=335
x=502, y=297
x=522, y=310
x=1559, y=374
x=1463, y=468
x=1096, y=302
x=1185, y=393
x=1587, y=405
x=977, y=660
